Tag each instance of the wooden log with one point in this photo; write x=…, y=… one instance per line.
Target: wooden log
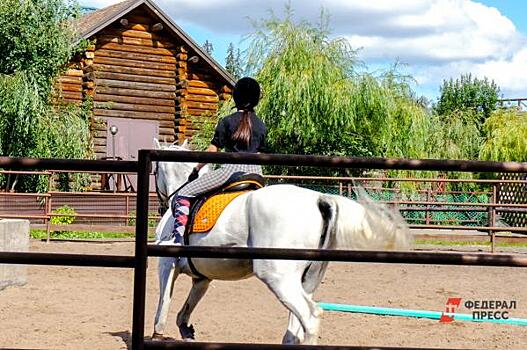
x=133, y=70
x=202, y=84
x=182, y=56
x=70, y=80
x=139, y=27
x=118, y=106
x=71, y=87
x=135, y=85
x=73, y=73
x=119, y=62
x=201, y=98
x=135, y=93
x=199, y=112
x=137, y=49
x=132, y=115
x=134, y=100
x=157, y=27
x=201, y=91
x=126, y=40
x=164, y=60
x=132, y=77
x=139, y=34
x=201, y=105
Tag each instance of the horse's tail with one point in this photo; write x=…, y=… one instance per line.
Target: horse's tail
x=315, y=271
x=367, y=224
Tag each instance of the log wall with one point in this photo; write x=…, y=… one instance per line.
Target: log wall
x=138, y=70
x=133, y=76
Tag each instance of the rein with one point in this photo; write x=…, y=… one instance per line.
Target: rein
x=162, y=195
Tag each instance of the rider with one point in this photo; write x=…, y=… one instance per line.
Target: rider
x=242, y=131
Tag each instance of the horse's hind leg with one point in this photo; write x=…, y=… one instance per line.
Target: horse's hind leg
x=286, y=284
x=295, y=332
x=199, y=288
x=168, y=272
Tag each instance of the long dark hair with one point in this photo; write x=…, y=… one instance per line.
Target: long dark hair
x=245, y=128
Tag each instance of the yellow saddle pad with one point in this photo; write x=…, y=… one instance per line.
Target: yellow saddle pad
x=211, y=210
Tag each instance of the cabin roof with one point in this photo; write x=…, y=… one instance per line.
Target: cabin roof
x=91, y=23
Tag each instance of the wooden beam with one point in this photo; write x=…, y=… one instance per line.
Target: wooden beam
x=136, y=56
x=134, y=70
x=134, y=100
x=147, y=43
x=157, y=27
x=137, y=49
x=137, y=62
x=201, y=91
x=134, y=78
x=135, y=85
x=135, y=93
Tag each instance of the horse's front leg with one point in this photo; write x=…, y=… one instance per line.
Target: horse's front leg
x=168, y=272
x=199, y=288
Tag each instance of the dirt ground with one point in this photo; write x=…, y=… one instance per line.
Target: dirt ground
x=91, y=308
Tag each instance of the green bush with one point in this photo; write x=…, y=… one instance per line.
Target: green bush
x=67, y=219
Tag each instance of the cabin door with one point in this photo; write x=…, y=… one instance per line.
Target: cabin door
x=128, y=137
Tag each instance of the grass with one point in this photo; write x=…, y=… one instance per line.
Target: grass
x=41, y=234
x=466, y=243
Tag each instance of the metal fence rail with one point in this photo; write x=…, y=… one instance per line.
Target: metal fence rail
x=139, y=261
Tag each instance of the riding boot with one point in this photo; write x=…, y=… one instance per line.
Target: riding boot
x=181, y=211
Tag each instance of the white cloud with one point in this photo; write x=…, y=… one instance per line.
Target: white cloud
x=438, y=38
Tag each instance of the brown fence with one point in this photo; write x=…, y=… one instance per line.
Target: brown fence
x=430, y=208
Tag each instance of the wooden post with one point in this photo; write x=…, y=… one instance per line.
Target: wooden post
x=492, y=218
x=427, y=212
x=47, y=207
x=341, y=188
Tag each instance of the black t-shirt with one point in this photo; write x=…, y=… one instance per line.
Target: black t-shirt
x=228, y=126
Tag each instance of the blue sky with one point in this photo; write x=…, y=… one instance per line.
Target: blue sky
x=436, y=39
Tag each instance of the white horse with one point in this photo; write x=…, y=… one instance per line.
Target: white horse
x=279, y=216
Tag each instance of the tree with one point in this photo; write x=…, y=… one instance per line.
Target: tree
x=468, y=93
x=207, y=46
x=233, y=63
x=36, y=42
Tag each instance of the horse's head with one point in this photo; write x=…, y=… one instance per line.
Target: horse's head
x=170, y=176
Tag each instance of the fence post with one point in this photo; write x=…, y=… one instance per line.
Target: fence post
x=141, y=254
x=341, y=189
x=427, y=211
x=492, y=218
x=47, y=207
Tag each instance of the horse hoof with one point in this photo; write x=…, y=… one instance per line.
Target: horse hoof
x=187, y=332
x=157, y=337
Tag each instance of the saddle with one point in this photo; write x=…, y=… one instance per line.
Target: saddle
x=207, y=208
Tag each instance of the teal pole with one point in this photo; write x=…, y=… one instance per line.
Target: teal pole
x=434, y=315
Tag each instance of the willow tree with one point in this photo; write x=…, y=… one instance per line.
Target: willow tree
x=305, y=77
x=36, y=42
x=506, y=137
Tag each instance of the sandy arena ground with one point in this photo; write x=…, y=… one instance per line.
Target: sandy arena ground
x=91, y=308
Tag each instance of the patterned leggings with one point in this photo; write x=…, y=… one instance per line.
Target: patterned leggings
x=214, y=179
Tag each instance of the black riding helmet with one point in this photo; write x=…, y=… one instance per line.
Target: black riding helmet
x=246, y=93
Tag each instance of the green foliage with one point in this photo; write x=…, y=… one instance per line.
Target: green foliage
x=36, y=42
x=468, y=94
x=67, y=219
x=233, y=62
x=506, y=137
x=207, y=124
x=208, y=47
x=35, y=38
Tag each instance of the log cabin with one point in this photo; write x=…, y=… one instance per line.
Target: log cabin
x=145, y=77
